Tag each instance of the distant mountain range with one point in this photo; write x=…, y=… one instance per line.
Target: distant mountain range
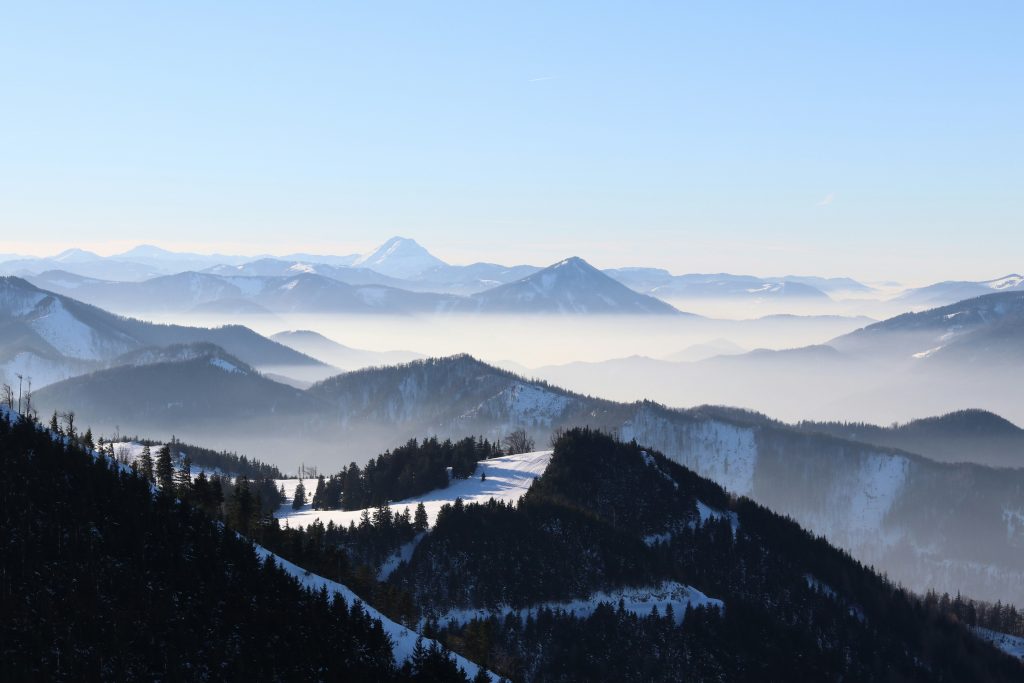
x=568, y=287
x=661, y=283
x=404, y=264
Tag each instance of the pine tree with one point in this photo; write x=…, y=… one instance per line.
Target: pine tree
x=54, y=424
x=184, y=478
x=420, y=522
x=300, y=496
x=165, y=470
x=318, y=495
x=87, y=440
x=146, y=464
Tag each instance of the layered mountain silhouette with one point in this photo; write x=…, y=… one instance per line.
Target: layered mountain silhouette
x=873, y=500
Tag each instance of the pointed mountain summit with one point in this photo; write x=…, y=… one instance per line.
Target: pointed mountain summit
x=569, y=286
x=399, y=257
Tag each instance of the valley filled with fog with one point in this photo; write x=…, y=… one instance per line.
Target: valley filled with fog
x=782, y=365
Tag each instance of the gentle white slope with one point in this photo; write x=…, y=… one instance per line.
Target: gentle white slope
x=508, y=478
x=404, y=640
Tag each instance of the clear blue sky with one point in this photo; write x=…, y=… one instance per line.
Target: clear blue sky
x=877, y=139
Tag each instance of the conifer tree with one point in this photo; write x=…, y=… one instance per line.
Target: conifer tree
x=420, y=522
x=300, y=496
x=165, y=470
x=54, y=424
x=87, y=439
x=146, y=464
x=318, y=494
x=183, y=478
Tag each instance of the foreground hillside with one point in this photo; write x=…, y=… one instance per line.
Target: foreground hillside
x=106, y=579
x=618, y=564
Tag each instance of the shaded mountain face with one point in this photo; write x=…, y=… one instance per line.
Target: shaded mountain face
x=50, y=337
x=399, y=257
x=569, y=286
x=177, y=388
x=973, y=435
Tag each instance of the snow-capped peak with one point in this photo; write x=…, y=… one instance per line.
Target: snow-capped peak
x=399, y=257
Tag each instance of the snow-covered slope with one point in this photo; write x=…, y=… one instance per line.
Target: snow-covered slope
x=403, y=639
x=52, y=337
x=507, y=478
x=399, y=257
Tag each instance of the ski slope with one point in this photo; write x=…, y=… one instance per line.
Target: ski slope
x=508, y=478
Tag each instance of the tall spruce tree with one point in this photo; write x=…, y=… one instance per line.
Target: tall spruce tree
x=300, y=496
x=165, y=470
x=420, y=522
x=146, y=464
x=183, y=478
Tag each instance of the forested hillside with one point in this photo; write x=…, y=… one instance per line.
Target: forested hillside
x=104, y=578
x=515, y=586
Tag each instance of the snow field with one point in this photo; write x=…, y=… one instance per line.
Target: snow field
x=508, y=478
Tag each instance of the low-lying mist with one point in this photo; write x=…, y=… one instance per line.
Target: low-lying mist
x=536, y=341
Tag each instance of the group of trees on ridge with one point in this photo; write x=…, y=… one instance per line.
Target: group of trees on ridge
x=412, y=469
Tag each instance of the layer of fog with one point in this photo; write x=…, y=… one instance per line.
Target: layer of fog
x=680, y=362
x=536, y=341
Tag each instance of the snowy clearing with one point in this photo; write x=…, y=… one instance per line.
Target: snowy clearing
x=508, y=478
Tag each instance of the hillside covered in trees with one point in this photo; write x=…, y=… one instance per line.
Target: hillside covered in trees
x=106, y=577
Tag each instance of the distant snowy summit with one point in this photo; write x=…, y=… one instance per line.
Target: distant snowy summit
x=399, y=257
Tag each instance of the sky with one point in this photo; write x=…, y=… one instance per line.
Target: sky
x=881, y=140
